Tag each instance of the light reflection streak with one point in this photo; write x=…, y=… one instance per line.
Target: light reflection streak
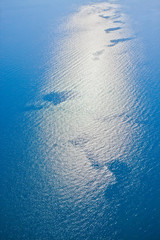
x=93, y=128
x=100, y=88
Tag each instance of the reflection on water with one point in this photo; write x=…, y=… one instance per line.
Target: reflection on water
x=85, y=135
x=94, y=128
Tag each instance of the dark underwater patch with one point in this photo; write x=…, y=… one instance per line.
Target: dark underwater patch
x=120, y=40
x=103, y=16
x=32, y=108
x=57, y=97
x=122, y=174
x=112, y=29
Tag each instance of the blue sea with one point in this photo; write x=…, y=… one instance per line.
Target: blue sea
x=80, y=120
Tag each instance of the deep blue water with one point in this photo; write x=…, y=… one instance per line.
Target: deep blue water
x=80, y=114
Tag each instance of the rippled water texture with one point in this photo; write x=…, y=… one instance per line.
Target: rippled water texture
x=81, y=157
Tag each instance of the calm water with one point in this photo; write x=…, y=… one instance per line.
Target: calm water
x=79, y=126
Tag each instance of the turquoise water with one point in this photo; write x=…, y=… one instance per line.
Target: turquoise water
x=79, y=126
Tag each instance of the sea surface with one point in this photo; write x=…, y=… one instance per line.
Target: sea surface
x=80, y=120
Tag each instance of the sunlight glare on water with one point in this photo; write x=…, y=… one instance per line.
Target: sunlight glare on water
x=93, y=125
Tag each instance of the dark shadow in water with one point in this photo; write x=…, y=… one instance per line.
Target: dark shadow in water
x=57, y=97
x=120, y=169
x=54, y=97
x=32, y=108
x=93, y=159
x=118, y=21
x=107, y=9
x=79, y=142
x=119, y=196
x=112, y=29
x=116, y=16
x=117, y=12
x=106, y=17
x=120, y=40
x=122, y=175
x=54, y=145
